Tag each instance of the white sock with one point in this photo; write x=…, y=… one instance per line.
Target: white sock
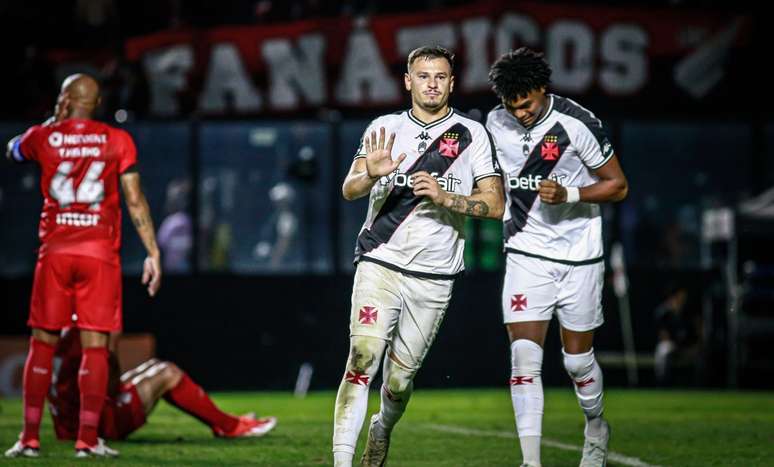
x=352, y=397
x=343, y=458
x=586, y=376
x=527, y=396
x=394, y=401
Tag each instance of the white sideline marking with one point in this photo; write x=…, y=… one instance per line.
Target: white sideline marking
x=612, y=456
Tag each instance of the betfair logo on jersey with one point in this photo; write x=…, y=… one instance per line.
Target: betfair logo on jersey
x=448, y=183
x=531, y=182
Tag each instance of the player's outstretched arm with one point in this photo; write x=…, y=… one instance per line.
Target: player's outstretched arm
x=611, y=187
x=487, y=200
x=140, y=214
x=365, y=171
x=60, y=113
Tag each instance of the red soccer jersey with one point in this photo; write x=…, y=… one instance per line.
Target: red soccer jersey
x=80, y=162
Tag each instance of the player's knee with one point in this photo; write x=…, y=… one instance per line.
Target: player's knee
x=578, y=364
x=527, y=357
x=398, y=377
x=365, y=353
x=171, y=374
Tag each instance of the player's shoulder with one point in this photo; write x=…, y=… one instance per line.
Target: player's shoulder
x=116, y=134
x=35, y=130
x=468, y=120
x=498, y=117
x=390, y=119
x=476, y=128
x=572, y=112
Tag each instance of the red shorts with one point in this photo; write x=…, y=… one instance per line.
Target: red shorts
x=123, y=415
x=78, y=291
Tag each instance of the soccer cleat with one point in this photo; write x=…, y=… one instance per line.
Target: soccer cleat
x=375, y=454
x=527, y=464
x=248, y=427
x=24, y=450
x=99, y=450
x=595, y=449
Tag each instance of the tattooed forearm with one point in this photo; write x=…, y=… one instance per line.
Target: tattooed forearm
x=469, y=207
x=141, y=221
x=477, y=208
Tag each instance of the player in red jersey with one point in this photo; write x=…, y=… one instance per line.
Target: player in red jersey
x=78, y=273
x=132, y=397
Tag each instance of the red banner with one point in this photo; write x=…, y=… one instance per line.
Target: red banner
x=646, y=57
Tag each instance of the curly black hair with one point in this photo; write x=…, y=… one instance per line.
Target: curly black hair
x=429, y=52
x=519, y=72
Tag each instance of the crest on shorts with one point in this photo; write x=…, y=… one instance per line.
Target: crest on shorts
x=368, y=315
x=518, y=302
x=450, y=144
x=549, y=151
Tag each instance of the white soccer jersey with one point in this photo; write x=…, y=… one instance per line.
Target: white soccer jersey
x=409, y=233
x=565, y=145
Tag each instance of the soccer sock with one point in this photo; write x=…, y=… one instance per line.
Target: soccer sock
x=527, y=396
x=587, y=378
x=396, y=392
x=352, y=397
x=193, y=400
x=36, y=381
x=92, y=382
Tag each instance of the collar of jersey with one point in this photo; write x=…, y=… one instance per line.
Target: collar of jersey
x=427, y=126
x=548, y=112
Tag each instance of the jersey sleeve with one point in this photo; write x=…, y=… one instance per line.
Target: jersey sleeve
x=484, y=156
x=127, y=151
x=593, y=145
x=27, y=146
x=361, y=149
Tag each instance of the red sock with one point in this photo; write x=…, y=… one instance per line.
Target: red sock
x=92, y=382
x=191, y=399
x=37, y=379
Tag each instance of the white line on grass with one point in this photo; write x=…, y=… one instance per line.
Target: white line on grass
x=613, y=456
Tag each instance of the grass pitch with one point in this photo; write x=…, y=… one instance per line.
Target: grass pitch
x=449, y=428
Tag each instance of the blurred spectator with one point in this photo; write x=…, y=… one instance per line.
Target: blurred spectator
x=279, y=236
x=175, y=236
x=679, y=338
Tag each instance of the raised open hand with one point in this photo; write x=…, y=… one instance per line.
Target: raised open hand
x=379, y=161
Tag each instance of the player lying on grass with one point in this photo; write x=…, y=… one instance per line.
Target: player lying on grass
x=132, y=396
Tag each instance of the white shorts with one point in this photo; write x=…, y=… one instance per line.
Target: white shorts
x=404, y=310
x=533, y=288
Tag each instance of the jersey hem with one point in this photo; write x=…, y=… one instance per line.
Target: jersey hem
x=408, y=272
x=560, y=261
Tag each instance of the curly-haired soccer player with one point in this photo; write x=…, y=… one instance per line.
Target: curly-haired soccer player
x=558, y=164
